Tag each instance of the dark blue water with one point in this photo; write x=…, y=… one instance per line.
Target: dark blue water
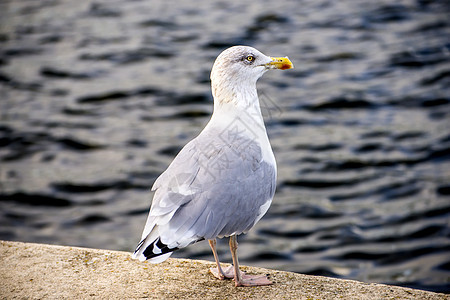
x=98, y=97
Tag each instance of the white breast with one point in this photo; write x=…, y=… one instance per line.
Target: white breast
x=248, y=122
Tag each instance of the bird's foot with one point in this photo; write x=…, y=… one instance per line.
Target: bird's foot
x=245, y=280
x=227, y=273
x=253, y=280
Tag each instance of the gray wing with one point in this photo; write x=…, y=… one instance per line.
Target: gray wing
x=213, y=188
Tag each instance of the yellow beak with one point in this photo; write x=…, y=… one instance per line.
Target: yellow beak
x=282, y=63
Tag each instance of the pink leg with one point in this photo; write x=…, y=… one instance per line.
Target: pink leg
x=218, y=272
x=240, y=278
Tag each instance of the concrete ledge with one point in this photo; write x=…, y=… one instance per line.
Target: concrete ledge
x=35, y=271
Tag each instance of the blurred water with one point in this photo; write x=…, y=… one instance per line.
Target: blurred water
x=98, y=97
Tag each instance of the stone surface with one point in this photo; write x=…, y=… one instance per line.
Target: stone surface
x=38, y=271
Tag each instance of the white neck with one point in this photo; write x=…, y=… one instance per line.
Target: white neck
x=240, y=110
x=237, y=101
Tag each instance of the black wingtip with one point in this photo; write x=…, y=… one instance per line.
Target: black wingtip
x=157, y=245
x=139, y=246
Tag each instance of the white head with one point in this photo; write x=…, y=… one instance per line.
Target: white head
x=237, y=69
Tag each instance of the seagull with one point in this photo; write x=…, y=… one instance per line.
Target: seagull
x=223, y=181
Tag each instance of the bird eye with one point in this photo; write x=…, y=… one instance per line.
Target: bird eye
x=250, y=58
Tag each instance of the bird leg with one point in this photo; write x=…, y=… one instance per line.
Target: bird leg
x=218, y=272
x=240, y=278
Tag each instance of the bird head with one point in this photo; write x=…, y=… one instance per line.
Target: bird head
x=237, y=69
x=243, y=63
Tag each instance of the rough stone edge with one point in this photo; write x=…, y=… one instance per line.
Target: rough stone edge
x=39, y=271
